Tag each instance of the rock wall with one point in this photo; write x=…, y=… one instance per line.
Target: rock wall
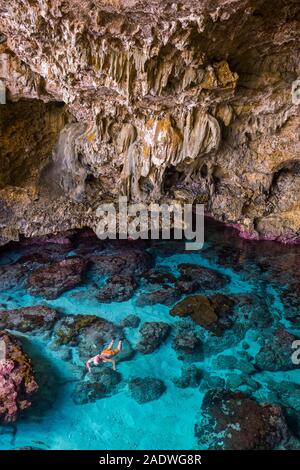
x=156, y=100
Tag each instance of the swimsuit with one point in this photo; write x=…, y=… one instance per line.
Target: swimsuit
x=110, y=352
x=97, y=360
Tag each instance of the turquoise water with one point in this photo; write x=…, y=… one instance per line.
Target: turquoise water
x=263, y=271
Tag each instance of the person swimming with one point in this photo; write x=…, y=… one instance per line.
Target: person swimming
x=105, y=356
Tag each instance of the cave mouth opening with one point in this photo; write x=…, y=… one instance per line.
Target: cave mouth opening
x=172, y=178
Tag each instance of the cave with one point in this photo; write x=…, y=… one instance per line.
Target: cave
x=149, y=230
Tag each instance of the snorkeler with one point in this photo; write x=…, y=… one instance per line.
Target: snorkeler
x=105, y=356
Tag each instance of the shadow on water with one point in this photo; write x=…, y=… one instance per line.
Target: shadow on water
x=49, y=377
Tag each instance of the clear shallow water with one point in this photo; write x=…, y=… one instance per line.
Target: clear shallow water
x=264, y=271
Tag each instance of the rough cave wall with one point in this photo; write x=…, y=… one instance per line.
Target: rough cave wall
x=182, y=100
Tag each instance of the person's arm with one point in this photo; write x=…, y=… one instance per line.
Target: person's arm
x=88, y=364
x=110, y=344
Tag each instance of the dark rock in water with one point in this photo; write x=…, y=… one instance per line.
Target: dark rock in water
x=131, y=321
x=158, y=277
x=38, y=318
x=117, y=289
x=166, y=295
x=131, y=262
x=212, y=381
x=35, y=260
x=206, y=278
x=12, y=276
x=52, y=280
x=187, y=285
x=276, y=354
x=233, y=421
x=190, y=377
x=234, y=381
x=198, y=307
x=161, y=248
x=187, y=345
x=291, y=301
x=17, y=381
x=153, y=335
x=90, y=334
x=106, y=376
x=223, y=306
x=102, y=384
x=72, y=328
x=92, y=341
x=288, y=394
x=227, y=361
x=210, y=312
x=146, y=389
x=253, y=311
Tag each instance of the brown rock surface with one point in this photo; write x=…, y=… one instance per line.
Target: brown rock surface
x=213, y=313
x=55, y=278
x=234, y=421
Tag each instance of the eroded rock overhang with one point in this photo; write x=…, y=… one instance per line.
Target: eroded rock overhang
x=156, y=100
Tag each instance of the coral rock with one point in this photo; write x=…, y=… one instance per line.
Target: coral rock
x=52, y=280
x=153, y=335
x=146, y=389
x=17, y=382
x=117, y=288
x=233, y=421
x=37, y=318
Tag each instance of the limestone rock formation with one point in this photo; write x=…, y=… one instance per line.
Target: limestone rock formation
x=17, y=382
x=155, y=99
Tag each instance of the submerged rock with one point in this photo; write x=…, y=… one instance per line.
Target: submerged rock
x=117, y=288
x=17, y=381
x=166, y=295
x=153, y=335
x=90, y=334
x=227, y=361
x=187, y=285
x=190, y=377
x=159, y=277
x=54, y=279
x=276, y=354
x=233, y=421
x=131, y=321
x=205, y=278
x=146, y=389
x=29, y=319
x=72, y=329
x=187, y=345
x=102, y=383
x=125, y=262
x=288, y=394
x=210, y=312
x=12, y=276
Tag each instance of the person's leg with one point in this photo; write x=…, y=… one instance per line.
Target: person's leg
x=110, y=344
x=111, y=361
